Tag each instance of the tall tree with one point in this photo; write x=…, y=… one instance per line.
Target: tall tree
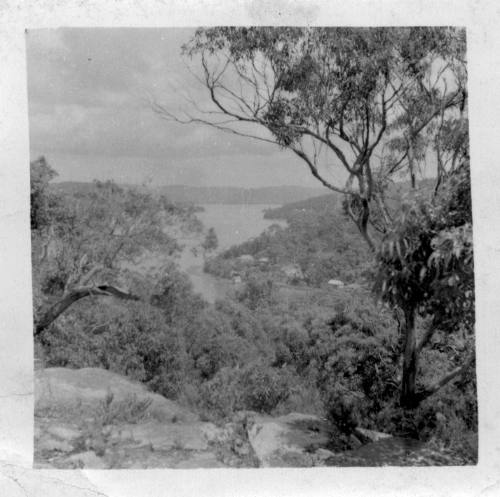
x=356, y=105
x=425, y=267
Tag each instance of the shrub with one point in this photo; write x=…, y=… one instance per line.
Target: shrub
x=255, y=387
x=129, y=410
x=213, y=343
x=263, y=388
x=133, y=340
x=345, y=408
x=221, y=396
x=354, y=360
x=257, y=291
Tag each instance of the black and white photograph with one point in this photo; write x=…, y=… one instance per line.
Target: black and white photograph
x=251, y=247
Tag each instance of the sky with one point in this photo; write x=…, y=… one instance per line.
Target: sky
x=89, y=91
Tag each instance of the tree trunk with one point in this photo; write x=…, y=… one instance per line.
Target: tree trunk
x=53, y=312
x=361, y=219
x=411, y=163
x=408, y=397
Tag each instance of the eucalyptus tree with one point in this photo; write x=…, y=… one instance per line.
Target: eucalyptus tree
x=361, y=107
x=356, y=105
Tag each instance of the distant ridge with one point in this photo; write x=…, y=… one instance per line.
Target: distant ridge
x=213, y=194
x=395, y=194
x=238, y=195
x=323, y=203
x=313, y=198
x=73, y=187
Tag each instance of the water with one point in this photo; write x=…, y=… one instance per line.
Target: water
x=233, y=224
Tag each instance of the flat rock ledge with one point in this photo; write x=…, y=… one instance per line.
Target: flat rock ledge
x=93, y=418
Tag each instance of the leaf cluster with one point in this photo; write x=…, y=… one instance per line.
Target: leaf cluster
x=426, y=263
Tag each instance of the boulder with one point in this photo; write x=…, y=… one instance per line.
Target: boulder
x=367, y=436
x=287, y=441
x=321, y=456
x=92, y=418
x=66, y=391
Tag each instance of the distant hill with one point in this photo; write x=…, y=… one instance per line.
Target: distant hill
x=323, y=203
x=329, y=202
x=296, y=198
x=238, y=195
x=213, y=194
x=73, y=187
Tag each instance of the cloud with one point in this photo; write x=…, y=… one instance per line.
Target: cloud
x=88, y=91
x=74, y=128
x=85, y=65
x=280, y=168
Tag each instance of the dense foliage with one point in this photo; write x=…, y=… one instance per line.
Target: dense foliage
x=323, y=244
x=92, y=241
x=426, y=268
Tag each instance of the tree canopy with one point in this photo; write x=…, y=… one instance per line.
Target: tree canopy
x=86, y=243
x=362, y=107
x=357, y=105
x=425, y=267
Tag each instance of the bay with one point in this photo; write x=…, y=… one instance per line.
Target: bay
x=233, y=224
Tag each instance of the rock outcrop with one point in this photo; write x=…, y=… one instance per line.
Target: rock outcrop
x=294, y=440
x=92, y=418
x=368, y=436
x=85, y=390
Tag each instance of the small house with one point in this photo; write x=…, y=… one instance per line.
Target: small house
x=247, y=258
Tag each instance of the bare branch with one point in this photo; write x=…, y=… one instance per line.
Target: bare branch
x=60, y=306
x=315, y=172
